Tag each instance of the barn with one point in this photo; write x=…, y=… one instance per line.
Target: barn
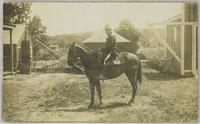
x=17, y=49
x=98, y=40
x=182, y=41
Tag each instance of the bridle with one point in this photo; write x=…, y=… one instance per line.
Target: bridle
x=75, y=57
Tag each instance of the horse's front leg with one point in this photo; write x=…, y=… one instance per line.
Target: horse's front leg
x=98, y=86
x=92, y=91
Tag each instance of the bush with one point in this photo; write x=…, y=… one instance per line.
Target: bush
x=127, y=30
x=156, y=57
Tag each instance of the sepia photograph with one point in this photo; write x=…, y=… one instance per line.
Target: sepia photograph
x=101, y=62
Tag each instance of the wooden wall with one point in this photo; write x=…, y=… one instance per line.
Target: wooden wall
x=172, y=64
x=190, y=15
x=188, y=48
x=190, y=12
x=21, y=55
x=7, y=57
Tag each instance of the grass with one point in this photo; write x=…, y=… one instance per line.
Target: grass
x=65, y=97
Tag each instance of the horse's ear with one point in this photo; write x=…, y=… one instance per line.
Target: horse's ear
x=72, y=44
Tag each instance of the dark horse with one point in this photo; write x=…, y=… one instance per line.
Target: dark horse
x=130, y=65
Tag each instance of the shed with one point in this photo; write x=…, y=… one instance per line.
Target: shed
x=182, y=40
x=98, y=40
x=17, y=48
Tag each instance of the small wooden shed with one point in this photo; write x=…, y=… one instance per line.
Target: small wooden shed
x=17, y=49
x=182, y=41
x=98, y=40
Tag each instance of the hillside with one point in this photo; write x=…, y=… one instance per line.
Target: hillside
x=65, y=39
x=62, y=42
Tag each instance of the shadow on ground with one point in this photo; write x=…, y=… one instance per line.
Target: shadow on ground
x=96, y=107
x=159, y=76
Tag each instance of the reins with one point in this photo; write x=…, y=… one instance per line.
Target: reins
x=85, y=48
x=79, y=67
x=75, y=65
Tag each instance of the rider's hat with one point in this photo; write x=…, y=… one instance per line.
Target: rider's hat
x=107, y=27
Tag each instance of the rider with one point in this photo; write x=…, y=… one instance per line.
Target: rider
x=110, y=47
x=110, y=44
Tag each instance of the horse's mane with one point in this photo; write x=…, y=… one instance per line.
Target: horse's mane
x=86, y=48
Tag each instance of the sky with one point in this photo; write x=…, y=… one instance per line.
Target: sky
x=62, y=18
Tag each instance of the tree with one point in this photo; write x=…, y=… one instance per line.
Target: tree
x=14, y=13
x=128, y=31
x=37, y=32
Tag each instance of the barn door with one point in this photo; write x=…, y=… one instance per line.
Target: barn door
x=25, y=66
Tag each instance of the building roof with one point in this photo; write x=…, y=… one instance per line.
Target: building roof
x=18, y=33
x=176, y=18
x=100, y=37
x=8, y=27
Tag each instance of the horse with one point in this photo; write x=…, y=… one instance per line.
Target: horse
x=130, y=65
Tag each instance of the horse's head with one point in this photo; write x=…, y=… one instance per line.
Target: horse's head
x=76, y=51
x=72, y=54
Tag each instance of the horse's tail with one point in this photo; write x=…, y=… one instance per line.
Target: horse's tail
x=139, y=73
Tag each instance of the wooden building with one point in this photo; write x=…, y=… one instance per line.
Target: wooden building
x=17, y=49
x=98, y=40
x=182, y=41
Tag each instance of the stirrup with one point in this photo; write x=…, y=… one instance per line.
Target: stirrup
x=116, y=61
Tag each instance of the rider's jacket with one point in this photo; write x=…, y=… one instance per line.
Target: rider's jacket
x=110, y=43
x=110, y=47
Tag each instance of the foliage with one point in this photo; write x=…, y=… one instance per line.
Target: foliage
x=152, y=48
x=149, y=39
x=14, y=13
x=37, y=32
x=127, y=30
x=156, y=57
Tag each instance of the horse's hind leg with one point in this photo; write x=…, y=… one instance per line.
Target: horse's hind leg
x=98, y=86
x=131, y=75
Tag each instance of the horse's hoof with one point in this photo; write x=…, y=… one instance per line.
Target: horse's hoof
x=91, y=106
x=130, y=103
x=101, y=103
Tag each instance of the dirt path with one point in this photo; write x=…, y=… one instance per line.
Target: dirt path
x=65, y=97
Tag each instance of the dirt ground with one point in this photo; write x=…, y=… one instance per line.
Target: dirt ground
x=61, y=97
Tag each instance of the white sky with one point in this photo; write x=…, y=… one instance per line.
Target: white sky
x=61, y=18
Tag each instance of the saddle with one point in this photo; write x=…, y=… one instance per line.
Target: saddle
x=108, y=59
x=111, y=60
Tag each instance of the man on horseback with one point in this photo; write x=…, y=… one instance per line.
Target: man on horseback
x=109, y=49
x=130, y=65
